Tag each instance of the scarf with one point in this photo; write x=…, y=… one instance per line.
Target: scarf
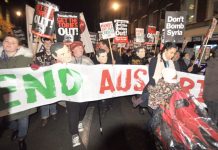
x=187, y=61
x=160, y=66
x=4, y=56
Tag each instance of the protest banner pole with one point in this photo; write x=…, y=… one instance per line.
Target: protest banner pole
x=155, y=48
x=120, y=50
x=202, y=54
x=36, y=47
x=112, y=56
x=184, y=44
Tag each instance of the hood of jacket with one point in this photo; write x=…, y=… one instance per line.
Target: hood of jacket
x=22, y=51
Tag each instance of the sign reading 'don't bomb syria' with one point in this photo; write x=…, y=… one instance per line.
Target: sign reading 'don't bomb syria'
x=175, y=26
x=43, y=20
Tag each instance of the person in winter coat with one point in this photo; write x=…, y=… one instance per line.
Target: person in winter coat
x=12, y=55
x=139, y=58
x=45, y=59
x=75, y=110
x=210, y=93
x=156, y=65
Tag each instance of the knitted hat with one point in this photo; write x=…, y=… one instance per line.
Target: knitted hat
x=75, y=44
x=169, y=75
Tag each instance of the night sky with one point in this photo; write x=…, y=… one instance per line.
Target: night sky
x=88, y=7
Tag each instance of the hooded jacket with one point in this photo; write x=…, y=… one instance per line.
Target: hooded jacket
x=23, y=58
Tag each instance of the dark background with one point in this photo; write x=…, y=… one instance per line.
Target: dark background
x=90, y=8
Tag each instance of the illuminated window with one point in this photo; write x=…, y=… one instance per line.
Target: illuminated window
x=190, y=7
x=215, y=7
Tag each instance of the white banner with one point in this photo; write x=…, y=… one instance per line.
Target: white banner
x=79, y=83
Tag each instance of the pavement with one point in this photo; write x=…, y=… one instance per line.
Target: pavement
x=123, y=128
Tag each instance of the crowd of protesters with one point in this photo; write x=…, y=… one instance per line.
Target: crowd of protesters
x=13, y=55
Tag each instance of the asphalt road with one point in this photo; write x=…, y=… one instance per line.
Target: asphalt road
x=123, y=128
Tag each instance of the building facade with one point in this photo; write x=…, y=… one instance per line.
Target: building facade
x=142, y=13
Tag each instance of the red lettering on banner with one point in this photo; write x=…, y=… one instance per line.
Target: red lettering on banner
x=139, y=80
x=106, y=78
x=187, y=88
x=201, y=88
x=127, y=81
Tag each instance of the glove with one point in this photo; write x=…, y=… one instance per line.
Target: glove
x=34, y=66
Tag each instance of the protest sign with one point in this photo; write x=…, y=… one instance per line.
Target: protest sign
x=79, y=83
x=212, y=27
x=29, y=20
x=100, y=36
x=208, y=35
x=140, y=36
x=151, y=34
x=85, y=36
x=157, y=37
x=93, y=37
x=43, y=19
x=162, y=39
x=67, y=26
x=18, y=32
x=107, y=30
x=32, y=40
x=175, y=26
x=121, y=31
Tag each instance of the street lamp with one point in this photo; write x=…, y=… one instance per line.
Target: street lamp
x=115, y=6
x=18, y=13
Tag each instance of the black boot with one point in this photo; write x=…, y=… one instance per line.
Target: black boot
x=142, y=110
x=22, y=144
x=14, y=135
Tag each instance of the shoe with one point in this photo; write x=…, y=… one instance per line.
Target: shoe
x=136, y=101
x=44, y=122
x=54, y=117
x=77, y=143
x=80, y=127
x=142, y=110
x=133, y=99
x=14, y=135
x=22, y=145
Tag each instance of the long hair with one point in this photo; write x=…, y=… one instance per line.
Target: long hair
x=166, y=47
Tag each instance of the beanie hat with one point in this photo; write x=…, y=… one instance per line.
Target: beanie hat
x=75, y=44
x=169, y=75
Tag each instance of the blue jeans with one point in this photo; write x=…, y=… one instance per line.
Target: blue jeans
x=46, y=109
x=21, y=125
